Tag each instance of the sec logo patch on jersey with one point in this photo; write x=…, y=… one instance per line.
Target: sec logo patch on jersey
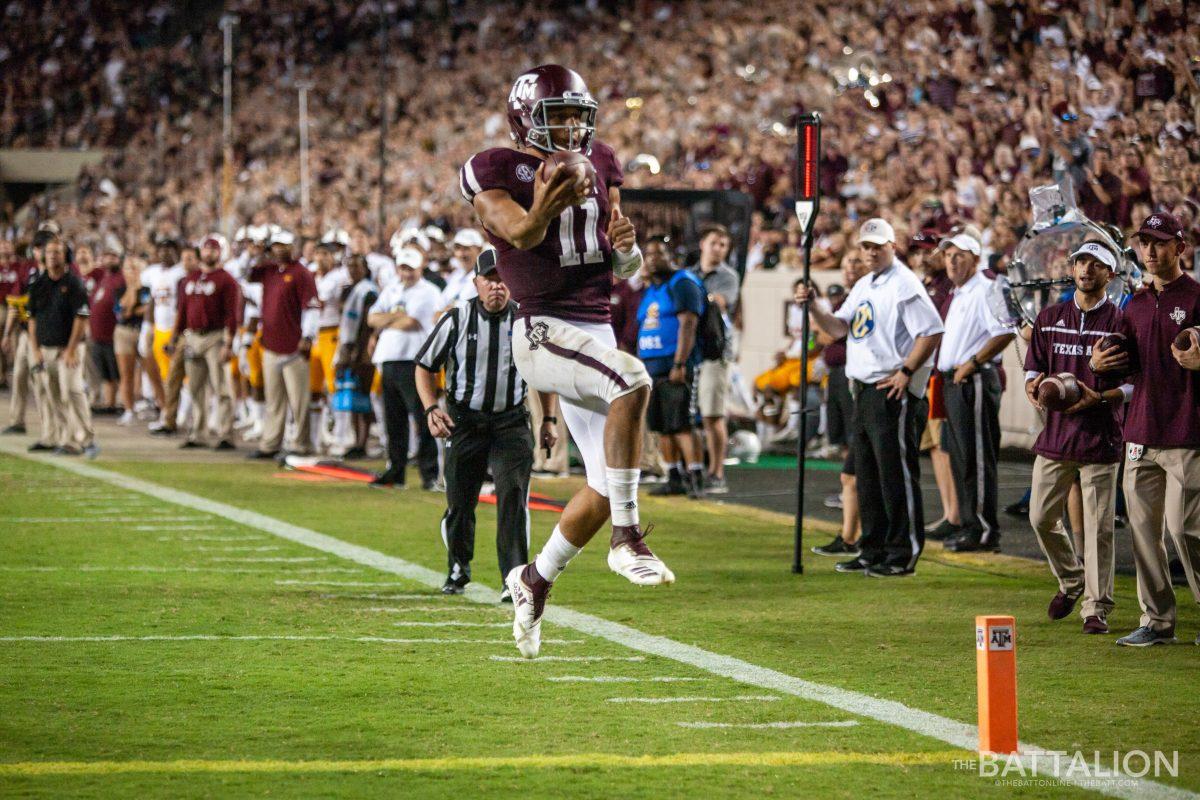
x=863, y=322
x=525, y=173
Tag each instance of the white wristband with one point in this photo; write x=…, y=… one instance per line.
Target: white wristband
x=627, y=264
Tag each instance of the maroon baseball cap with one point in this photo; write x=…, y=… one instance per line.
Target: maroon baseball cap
x=924, y=239
x=1162, y=225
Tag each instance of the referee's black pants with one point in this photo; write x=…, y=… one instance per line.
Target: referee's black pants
x=972, y=438
x=400, y=400
x=502, y=443
x=886, y=435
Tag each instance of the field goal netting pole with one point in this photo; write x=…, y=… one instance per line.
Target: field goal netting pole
x=808, y=199
x=227, y=23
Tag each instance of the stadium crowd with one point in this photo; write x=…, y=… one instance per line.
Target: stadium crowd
x=940, y=118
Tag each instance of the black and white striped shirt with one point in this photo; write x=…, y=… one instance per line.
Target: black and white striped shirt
x=475, y=347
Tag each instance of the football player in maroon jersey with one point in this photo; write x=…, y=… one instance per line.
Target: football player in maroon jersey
x=559, y=236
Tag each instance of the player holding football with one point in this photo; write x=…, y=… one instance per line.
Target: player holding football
x=559, y=235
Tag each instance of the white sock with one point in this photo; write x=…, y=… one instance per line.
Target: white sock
x=622, y=494
x=695, y=467
x=555, y=556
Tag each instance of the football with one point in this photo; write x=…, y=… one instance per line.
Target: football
x=576, y=162
x=1188, y=338
x=1059, y=392
x=1111, y=339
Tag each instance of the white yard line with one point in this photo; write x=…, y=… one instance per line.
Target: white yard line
x=737, y=698
x=571, y=659
x=619, y=679
x=382, y=585
x=427, y=596
x=179, y=527
x=452, y=623
x=267, y=559
x=139, y=568
x=953, y=732
x=457, y=608
x=108, y=519
x=204, y=637
x=178, y=538
x=240, y=549
x=845, y=723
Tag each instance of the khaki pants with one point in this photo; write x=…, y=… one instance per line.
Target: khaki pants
x=23, y=382
x=173, y=387
x=1163, y=484
x=66, y=398
x=1052, y=481
x=285, y=381
x=206, y=371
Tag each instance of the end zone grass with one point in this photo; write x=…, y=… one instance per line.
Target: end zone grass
x=341, y=713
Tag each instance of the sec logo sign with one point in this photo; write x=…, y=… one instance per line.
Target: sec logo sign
x=863, y=322
x=525, y=173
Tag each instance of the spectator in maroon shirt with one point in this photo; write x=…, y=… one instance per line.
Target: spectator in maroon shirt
x=1082, y=443
x=1100, y=196
x=107, y=286
x=1162, y=425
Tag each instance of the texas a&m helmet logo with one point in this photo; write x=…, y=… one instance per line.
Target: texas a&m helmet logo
x=539, y=332
x=525, y=88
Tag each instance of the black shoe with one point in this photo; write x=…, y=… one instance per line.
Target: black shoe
x=355, y=452
x=455, y=585
x=68, y=450
x=888, y=571
x=672, y=487
x=853, y=565
x=838, y=548
x=163, y=431
x=38, y=447
x=969, y=541
x=1120, y=524
x=262, y=455
x=387, y=478
x=506, y=596
x=429, y=486
x=191, y=444
x=943, y=530
x=1018, y=509
x=224, y=444
x=13, y=430
x=695, y=484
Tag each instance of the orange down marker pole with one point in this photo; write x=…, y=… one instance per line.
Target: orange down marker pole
x=996, y=681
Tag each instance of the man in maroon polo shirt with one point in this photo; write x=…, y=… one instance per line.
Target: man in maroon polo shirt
x=106, y=284
x=290, y=318
x=209, y=308
x=1081, y=443
x=1162, y=426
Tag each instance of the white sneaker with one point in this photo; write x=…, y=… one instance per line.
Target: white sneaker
x=629, y=556
x=529, y=591
x=127, y=419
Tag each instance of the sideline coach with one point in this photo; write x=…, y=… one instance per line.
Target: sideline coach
x=485, y=421
x=893, y=330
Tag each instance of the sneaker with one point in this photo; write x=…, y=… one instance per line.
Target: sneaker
x=127, y=419
x=506, y=596
x=354, y=453
x=262, y=455
x=695, y=484
x=971, y=541
x=38, y=447
x=1095, y=624
x=387, y=478
x=1120, y=523
x=1018, y=509
x=943, y=530
x=888, y=571
x=671, y=487
x=833, y=500
x=191, y=444
x=455, y=585
x=1061, y=605
x=628, y=555
x=161, y=429
x=14, y=430
x=856, y=564
x=715, y=485
x=68, y=450
x=529, y=591
x=91, y=451
x=1146, y=636
x=224, y=444
x=838, y=548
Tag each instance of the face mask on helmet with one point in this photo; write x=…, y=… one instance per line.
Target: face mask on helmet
x=579, y=135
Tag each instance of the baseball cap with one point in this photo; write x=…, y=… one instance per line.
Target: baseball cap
x=468, y=237
x=486, y=262
x=281, y=236
x=963, y=241
x=1162, y=225
x=214, y=240
x=876, y=231
x=924, y=239
x=1098, y=252
x=409, y=257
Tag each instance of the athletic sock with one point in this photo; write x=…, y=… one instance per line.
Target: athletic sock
x=622, y=494
x=695, y=467
x=555, y=556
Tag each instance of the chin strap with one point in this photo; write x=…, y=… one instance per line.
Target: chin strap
x=627, y=264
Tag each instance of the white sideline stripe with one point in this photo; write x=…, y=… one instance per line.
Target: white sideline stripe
x=452, y=623
x=573, y=659
x=845, y=723
x=240, y=549
x=108, y=519
x=953, y=732
x=446, y=609
x=207, y=637
x=737, y=698
x=340, y=583
x=178, y=527
x=619, y=679
x=427, y=596
x=89, y=568
x=268, y=559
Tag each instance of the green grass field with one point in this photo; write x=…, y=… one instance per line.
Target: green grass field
x=152, y=650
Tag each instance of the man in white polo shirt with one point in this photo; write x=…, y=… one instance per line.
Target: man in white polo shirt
x=968, y=360
x=892, y=329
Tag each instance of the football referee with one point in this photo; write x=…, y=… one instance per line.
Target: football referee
x=893, y=330
x=485, y=422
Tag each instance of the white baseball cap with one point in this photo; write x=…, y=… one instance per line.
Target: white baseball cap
x=964, y=242
x=1098, y=252
x=280, y=236
x=468, y=237
x=876, y=231
x=409, y=257
x=336, y=236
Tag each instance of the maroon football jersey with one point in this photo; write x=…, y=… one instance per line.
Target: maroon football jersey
x=568, y=275
x=1062, y=341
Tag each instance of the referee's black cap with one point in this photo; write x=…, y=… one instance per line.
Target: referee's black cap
x=485, y=262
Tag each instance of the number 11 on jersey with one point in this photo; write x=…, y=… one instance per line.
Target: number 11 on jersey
x=592, y=254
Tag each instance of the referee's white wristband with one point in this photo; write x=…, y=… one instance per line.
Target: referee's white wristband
x=626, y=264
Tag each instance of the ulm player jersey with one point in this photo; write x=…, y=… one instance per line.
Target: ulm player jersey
x=567, y=276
